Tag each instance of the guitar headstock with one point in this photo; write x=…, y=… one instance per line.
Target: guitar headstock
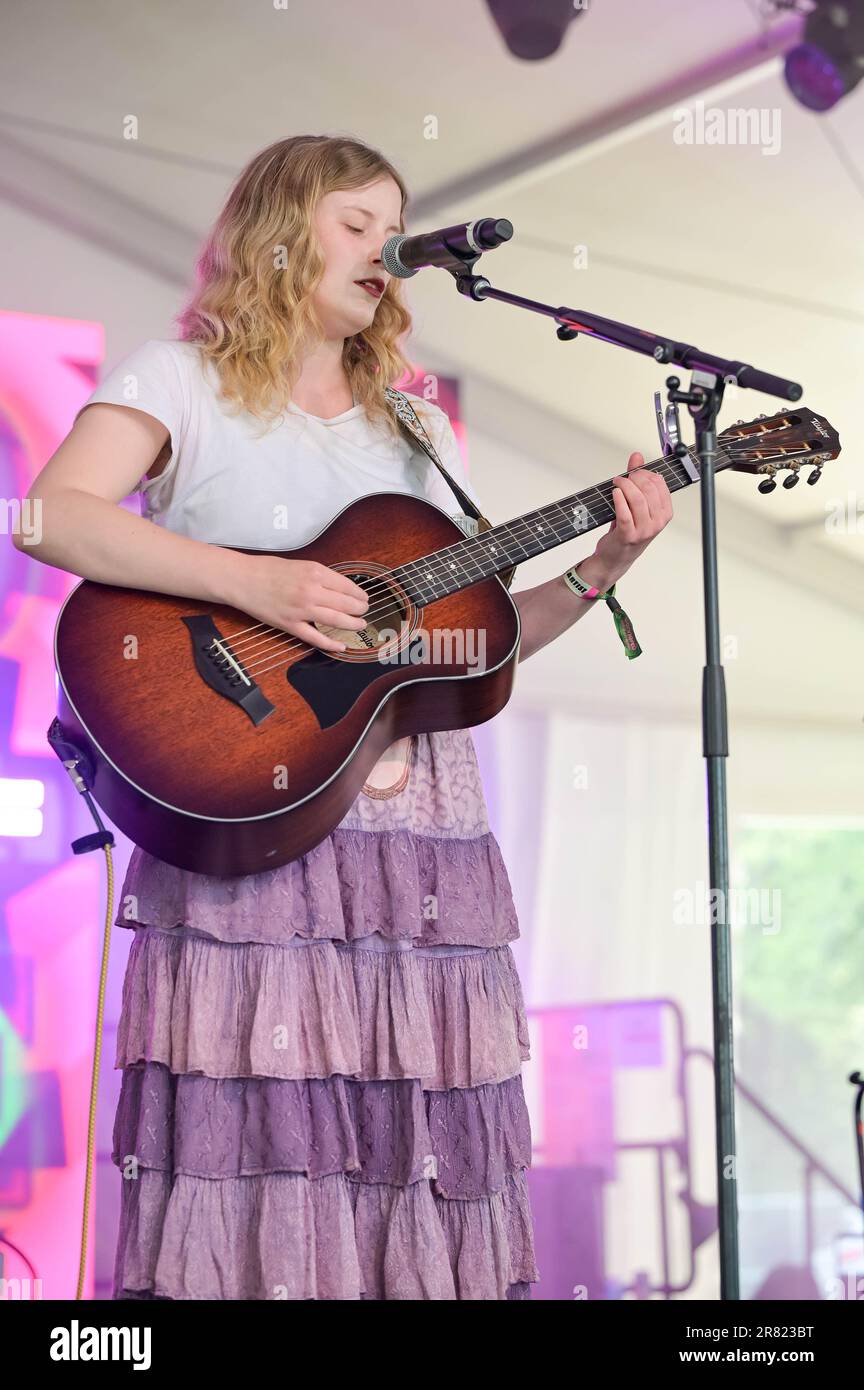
x=776, y=442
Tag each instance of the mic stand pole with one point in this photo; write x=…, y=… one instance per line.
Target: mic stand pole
x=703, y=399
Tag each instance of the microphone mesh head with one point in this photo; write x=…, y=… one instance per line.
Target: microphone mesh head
x=390, y=258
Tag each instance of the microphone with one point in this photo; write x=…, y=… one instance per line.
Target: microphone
x=405, y=255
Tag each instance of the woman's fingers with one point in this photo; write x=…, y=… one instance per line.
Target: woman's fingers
x=635, y=514
x=335, y=618
x=307, y=633
x=331, y=581
x=648, y=503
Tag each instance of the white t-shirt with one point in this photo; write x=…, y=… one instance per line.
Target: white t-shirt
x=235, y=480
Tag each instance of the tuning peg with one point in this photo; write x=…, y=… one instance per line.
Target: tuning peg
x=767, y=485
x=791, y=480
x=815, y=475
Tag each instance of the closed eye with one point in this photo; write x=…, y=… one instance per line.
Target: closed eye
x=354, y=229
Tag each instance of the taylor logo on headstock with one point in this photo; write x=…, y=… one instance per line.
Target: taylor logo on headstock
x=773, y=443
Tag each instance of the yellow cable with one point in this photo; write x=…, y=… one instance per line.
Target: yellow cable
x=94, y=1086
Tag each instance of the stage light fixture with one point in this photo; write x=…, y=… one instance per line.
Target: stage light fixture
x=829, y=62
x=534, y=29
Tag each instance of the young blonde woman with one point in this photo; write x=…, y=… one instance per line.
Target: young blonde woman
x=321, y=1093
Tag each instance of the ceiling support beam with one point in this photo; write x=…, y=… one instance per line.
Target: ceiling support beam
x=714, y=80
x=81, y=206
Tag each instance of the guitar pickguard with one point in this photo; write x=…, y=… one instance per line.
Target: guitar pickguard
x=330, y=686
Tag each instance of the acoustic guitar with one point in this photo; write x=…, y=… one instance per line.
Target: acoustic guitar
x=226, y=746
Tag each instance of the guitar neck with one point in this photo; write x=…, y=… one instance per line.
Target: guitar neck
x=491, y=552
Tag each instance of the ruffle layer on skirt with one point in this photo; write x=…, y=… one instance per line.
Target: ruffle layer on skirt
x=448, y=1016
x=399, y=884
x=465, y=1141
x=286, y=1236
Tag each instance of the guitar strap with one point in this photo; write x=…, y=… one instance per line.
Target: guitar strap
x=410, y=423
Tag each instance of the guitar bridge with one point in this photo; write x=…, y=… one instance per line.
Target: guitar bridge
x=220, y=668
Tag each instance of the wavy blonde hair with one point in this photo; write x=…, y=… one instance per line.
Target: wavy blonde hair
x=251, y=308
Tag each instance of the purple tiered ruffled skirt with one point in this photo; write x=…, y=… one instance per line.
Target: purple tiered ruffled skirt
x=322, y=1093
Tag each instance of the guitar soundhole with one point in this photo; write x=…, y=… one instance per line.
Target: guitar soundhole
x=388, y=617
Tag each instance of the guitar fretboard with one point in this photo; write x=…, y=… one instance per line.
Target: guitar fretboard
x=478, y=557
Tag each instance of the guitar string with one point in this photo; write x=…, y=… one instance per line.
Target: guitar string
x=303, y=648
x=286, y=643
x=435, y=568
x=439, y=568
x=261, y=630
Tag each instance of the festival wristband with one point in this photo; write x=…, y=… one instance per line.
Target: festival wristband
x=623, y=625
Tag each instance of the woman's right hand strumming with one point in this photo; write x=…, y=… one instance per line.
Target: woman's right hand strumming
x=293, y=594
